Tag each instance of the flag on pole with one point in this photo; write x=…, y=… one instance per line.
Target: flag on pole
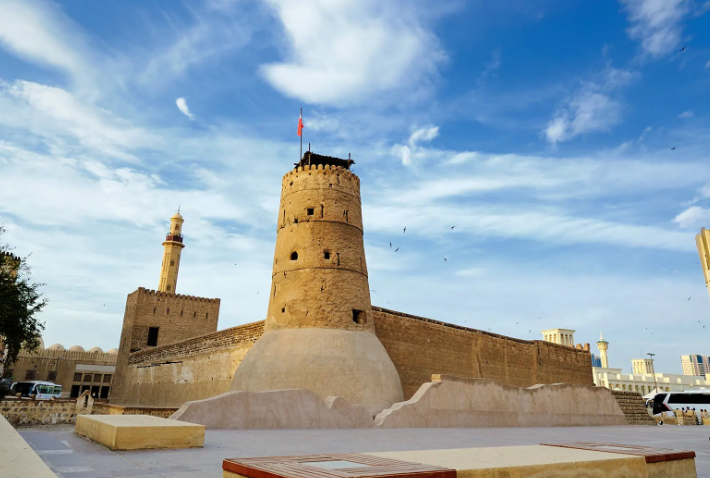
x=300, y=123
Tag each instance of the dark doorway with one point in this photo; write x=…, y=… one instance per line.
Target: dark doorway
x=153, y=336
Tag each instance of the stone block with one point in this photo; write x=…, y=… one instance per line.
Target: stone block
x=140, y=432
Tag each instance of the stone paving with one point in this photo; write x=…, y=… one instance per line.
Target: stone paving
x=72, y=456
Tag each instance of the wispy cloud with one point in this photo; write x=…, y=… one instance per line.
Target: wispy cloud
x=591, y=108
x=657, y=24
x=491, y=67
x=686, y=114
x=182, y=106
x=38, y=31
x=410, y=151
x=342, y=52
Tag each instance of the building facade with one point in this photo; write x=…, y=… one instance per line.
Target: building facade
x=559, y=336
x=643, y=379
x=75, y=369
x=697, y=365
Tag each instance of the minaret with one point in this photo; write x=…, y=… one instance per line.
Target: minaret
x=171, y=255
x=702, y=241
x=603, y=345
x=319, y=331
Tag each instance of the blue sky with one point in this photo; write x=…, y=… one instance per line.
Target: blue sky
x=541, y=130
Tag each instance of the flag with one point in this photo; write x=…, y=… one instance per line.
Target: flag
x=300, y=123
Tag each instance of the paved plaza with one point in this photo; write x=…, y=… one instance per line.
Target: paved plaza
x=72, y=456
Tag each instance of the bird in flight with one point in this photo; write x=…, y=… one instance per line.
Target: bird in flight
x=517, y=323
x=682, y=49
x=396, y=249
x=405, y=231
x=672, y=148
x=444, y=259
x=689, y=298
x=452, y=227
x=390, y=245
x=372, y=290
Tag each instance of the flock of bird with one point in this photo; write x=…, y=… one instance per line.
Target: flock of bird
x=404, y=231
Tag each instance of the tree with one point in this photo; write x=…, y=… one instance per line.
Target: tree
x=20, y=302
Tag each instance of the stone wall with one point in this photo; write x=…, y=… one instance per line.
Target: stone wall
x=422, y=347
x=203, y=366
x=108, y=409
x=27, y=412
x=634, y=407
x=178, y=317
x=192, y=369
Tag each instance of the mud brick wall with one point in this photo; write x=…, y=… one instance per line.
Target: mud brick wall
x=634, y=407
x=192, y=369
x=422, y=347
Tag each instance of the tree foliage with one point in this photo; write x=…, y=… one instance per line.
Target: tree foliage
x=20, y=303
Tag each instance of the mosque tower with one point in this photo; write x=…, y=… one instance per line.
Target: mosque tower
x=319, y=330
x=603, y=345
x=172, y=248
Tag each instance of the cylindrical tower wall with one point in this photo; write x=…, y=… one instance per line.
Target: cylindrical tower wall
x=319, y=276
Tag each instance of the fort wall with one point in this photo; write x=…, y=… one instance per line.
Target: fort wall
x=193, y=369
x=419, y=348
x=176, y=317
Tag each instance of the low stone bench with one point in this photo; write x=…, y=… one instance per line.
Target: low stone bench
x=140, y=432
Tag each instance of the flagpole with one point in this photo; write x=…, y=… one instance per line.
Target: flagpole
x=301, y=156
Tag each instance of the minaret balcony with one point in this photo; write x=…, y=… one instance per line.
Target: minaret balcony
x=174, y=237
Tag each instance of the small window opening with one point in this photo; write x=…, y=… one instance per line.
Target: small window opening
x=338, y=254
x=295, y=220
x=181, y=313
x=172, y=263
x=326, y=255
x=194, y=314
x=310, y=211
x=207, y=315
x=321, y=211
x=154, y=310
x=168, y=309
x=294, y=256
x=283, y=310
x=153, y=336
x=177, y=228
x=169, y=287
x=359, y=316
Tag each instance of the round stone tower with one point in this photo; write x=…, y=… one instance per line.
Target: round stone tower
x=319, y=332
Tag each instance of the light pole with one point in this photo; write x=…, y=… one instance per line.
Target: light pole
x=653, y=368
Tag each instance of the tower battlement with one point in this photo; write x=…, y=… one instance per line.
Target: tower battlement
x=169, y=295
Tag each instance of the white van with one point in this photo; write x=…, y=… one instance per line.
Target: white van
x=37, y=389
x=667, y=402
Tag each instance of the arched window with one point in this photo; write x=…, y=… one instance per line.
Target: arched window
x=51, y=376
x=30, y=375
x=294, y=256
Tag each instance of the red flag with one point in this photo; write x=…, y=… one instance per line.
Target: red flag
x=300, y=124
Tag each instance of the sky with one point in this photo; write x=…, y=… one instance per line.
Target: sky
x=549, y=158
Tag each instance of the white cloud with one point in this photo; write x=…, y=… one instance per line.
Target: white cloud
x=707, y=65
x=66, y=122
x=342, y=51
x=38, y=31
x=693, y=217
x=686, y=114
x=591, y=108
x=182, y=106
x=412, y=148
x=657, y=23
x=472, y=272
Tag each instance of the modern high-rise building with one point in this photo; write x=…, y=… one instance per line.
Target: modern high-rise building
x=698, y=365
x=596, y=361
